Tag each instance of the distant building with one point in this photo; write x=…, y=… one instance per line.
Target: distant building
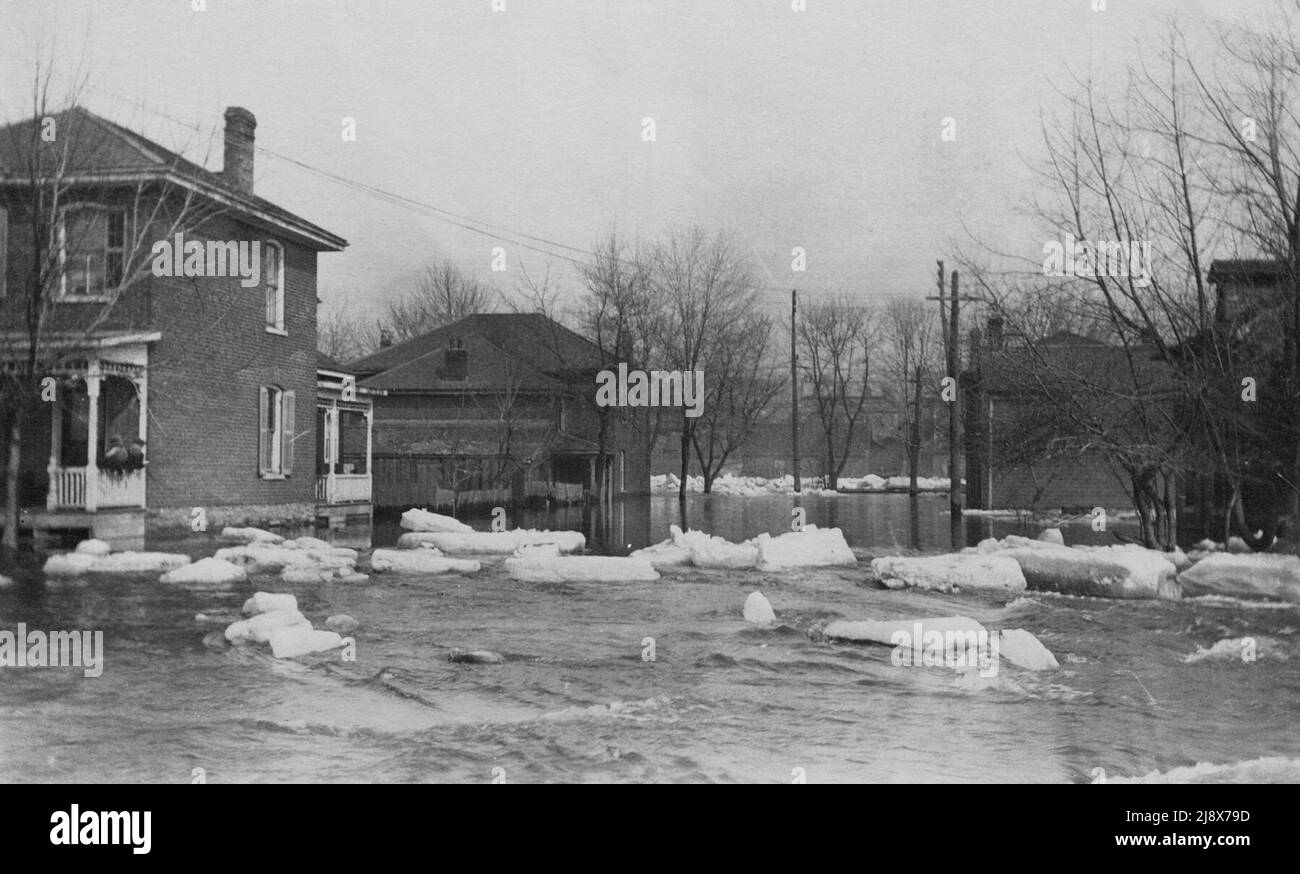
x=494, y=402
x=217, y=380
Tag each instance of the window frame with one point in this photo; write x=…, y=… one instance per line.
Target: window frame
x=275, y=321
x=277, y=412
x=104, y=294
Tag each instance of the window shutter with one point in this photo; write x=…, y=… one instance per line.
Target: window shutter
x=288, y=433
x=263, y=433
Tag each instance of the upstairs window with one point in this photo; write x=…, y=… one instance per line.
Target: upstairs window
x=275, y=432
x=92, y=246
x=273, y=279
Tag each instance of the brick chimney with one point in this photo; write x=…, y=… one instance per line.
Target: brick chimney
x=238, y=164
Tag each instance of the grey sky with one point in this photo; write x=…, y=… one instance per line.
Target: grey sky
x=818, y=129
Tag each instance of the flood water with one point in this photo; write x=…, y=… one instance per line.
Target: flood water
x=575, y=700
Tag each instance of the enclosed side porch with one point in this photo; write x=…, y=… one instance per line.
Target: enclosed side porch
x=344, y=448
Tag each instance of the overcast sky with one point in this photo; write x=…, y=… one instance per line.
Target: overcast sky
x=819, y=128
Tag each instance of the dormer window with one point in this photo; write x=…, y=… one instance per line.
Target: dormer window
x=273, y=278
x=92, y=250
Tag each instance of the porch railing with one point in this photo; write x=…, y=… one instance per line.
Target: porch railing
x=349, y=488
x=68, y=489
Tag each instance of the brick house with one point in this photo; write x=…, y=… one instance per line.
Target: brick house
x=216, y=379
x=491, y=402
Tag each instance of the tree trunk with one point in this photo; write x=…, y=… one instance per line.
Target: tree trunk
x=686, y=461
x=914, y=440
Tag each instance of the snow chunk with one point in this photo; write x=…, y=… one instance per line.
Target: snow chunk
x=944, y=573
x=1024, y=650
x=1052, y=535
x=1258, y=576
x=5, y=582
x=138, y=563
x=1237, y=649
x=502, y=542
x=260, y=558
x=580, y=568
x=249, y=535
x=811, y=547
x=258, y=628
x=882, y=630
x=418, y=540
x=93, y=547
x=213, y=571
x=265, y=602
x=423, y=520
x=1126, y=571
x=72, y=564
x=758, y=609
x=291, y=641
x=716, y=552
x=418, y=561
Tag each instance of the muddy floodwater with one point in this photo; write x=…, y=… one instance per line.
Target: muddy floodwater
x=577, y=698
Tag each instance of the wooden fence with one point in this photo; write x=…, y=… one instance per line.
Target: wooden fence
x=401, y=482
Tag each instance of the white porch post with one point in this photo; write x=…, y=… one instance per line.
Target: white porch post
x=331, y=447
x=92, y=437
x=370, y=442
x=56, y=450
x=142, y=392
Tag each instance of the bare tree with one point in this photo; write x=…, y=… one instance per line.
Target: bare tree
x=342, y=334
x=913, y=363
x=835, y=339
x=441, y=296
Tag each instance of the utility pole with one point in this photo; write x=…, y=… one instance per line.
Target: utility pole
x=952, y=342
x=794, y=385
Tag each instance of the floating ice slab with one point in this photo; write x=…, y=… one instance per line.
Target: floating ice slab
x=812, y=547
x=72, y=564
x=1268, y=577
x=291, y=641
x=502, y=542
x=1024, y=650
x=261, y=558
x=258, y=628
x=249, y=535
x=882, y=630
x=93, y=547
x=419, y=561
x=556, y=569
x=1127, y=571
x=342, y=623
x=265, y=602
x=213, y=571
x=138, y=563
x=423, y=520
x=1052, y=535
x=944, y=573
x=5, y=582
x=758, y=609
x=418, y=540
x=721, y=554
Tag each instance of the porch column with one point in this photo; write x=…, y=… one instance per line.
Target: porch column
x=370, y=442
x=142, y=394
x=56, y=450
x=331, y=448
x=92, y=437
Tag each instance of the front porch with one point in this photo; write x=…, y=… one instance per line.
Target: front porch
x=344, y=441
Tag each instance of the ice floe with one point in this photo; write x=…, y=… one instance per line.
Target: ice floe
x=93, y=547
x=1124, y=571
x=419, y=561
x=422, y=520
x=266, y=602
x=212, y=571
x=944, y=573
x=249, y=535
x=492, y=542
x=758, y=609
x=1024, y=650
x=811, y=547
x=1257, y=576
x=258, y=628
x=565, y=568
x=296, y=640
x=74, y=564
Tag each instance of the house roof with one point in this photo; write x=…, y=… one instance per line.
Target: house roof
x=1088, y=365
x=324, y=362
x=94, y=150
x=528, y=442
x=524, y=350
x=1248, y=269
